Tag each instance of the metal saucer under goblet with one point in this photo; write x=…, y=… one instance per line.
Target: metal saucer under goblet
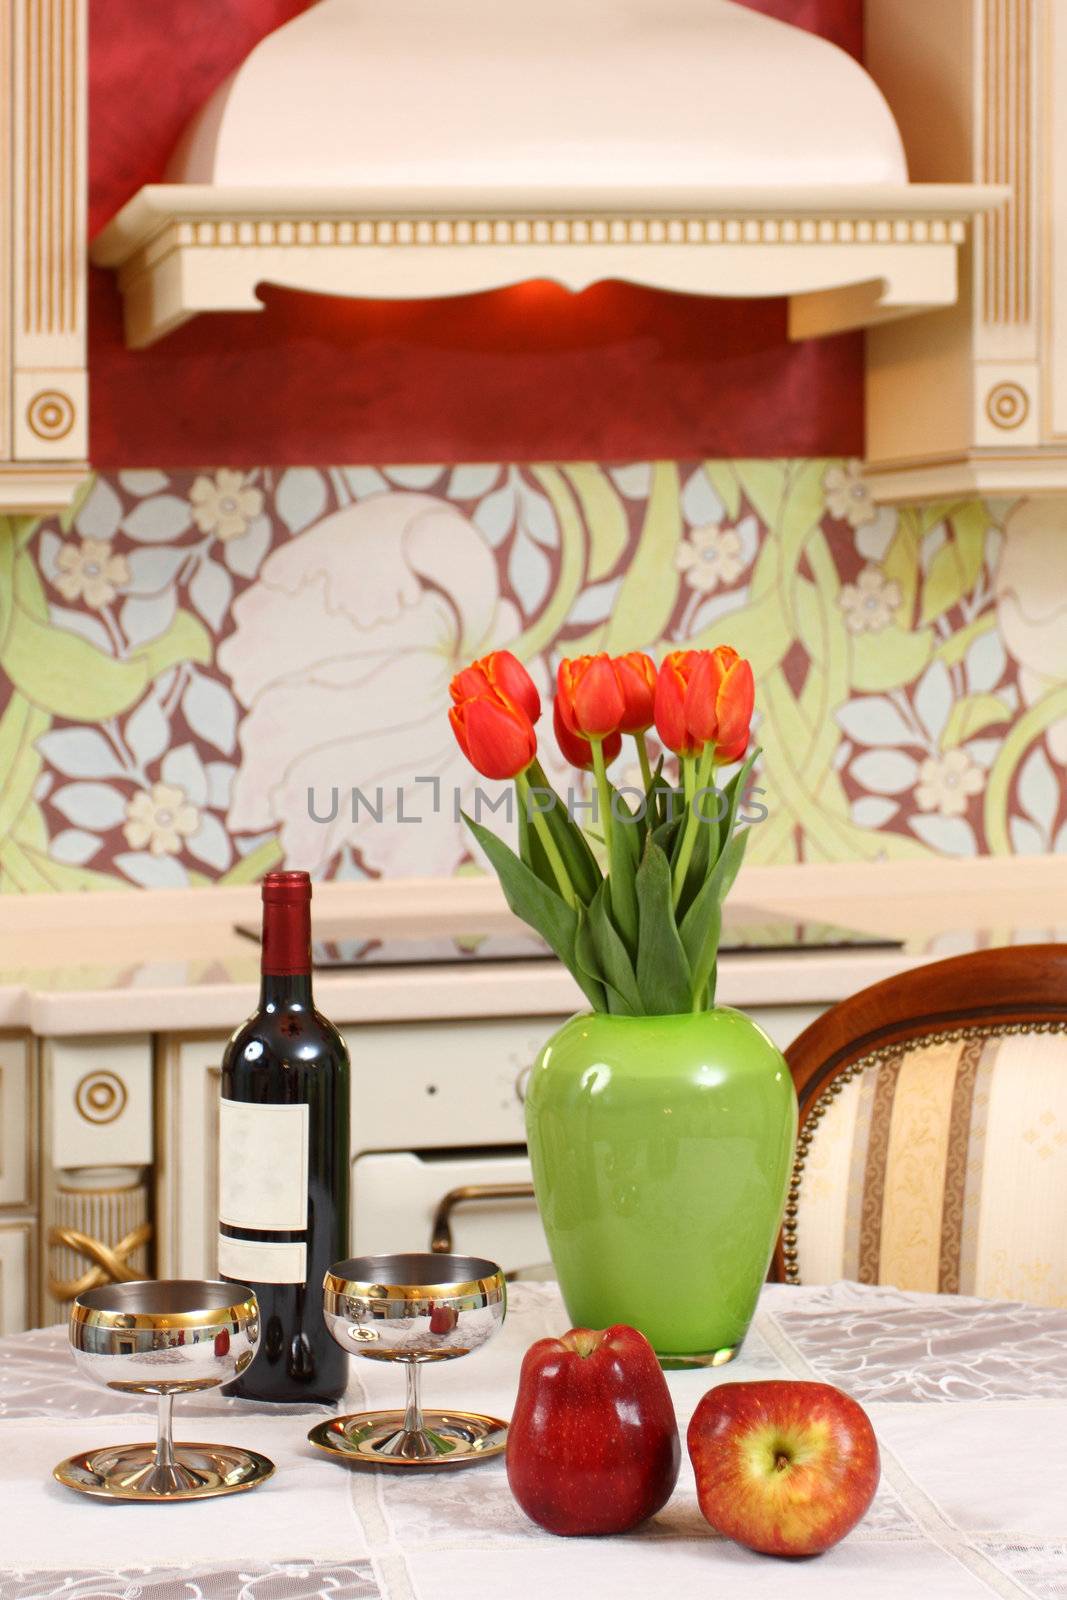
x=164, y=1338
x=413, y=1309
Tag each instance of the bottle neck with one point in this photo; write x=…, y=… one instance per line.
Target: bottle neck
x=281, y=991
x=286, y=963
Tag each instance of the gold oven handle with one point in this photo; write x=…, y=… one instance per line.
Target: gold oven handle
x=441, y=1241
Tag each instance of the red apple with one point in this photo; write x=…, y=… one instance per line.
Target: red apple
x=593, y=1445
x=787, y=1468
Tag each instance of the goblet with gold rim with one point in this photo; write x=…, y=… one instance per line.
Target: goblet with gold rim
x=164, y=1338
x=415, y=1310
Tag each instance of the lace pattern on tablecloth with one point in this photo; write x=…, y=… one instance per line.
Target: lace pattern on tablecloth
x=883, y=1344
x=879, y=1344
x=289, y=1580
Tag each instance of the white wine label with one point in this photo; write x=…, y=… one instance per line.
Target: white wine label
x=252, y=1261
x=263, y=1166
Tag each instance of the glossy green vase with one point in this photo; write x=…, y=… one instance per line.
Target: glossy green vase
x=661, y=1151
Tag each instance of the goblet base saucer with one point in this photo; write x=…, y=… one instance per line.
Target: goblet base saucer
x=129, y=1471
x=378, y=1439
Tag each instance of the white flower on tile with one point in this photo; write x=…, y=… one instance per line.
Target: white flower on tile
x=226, y=504
x=159, y=819
x=946, y=783
x=89, y=571
x=710, y=556
x=369, y=613
x=869, y=603
x=847, y=496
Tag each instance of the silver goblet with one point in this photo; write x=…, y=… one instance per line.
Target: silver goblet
x=164, y=1338
x=413, y=1309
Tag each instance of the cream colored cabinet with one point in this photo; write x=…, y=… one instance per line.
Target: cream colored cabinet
x=18, y=1185
x=437, y=1132
x=446, y=1097
x=973, y=399
x=43, y=381
x=97, y=1153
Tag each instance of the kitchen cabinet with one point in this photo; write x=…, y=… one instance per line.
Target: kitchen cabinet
x=436, y=1108
x=97, y=1152
x=18, y=1183
x=43, y=383
x=973, y=399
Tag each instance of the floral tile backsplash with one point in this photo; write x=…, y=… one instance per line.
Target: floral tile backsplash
x=200, y=667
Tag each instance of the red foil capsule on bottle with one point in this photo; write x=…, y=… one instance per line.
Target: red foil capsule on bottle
x=286, y=923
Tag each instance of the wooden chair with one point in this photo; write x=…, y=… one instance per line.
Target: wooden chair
x=932, y=1147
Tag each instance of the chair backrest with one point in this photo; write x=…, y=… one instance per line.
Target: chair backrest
x=932, y=1146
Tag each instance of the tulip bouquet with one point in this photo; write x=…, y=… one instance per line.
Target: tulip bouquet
x=641, y=938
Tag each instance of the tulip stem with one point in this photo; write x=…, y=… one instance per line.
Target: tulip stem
x=646, y=766
x=695, y=773
x=603, y=789
x=549, y=845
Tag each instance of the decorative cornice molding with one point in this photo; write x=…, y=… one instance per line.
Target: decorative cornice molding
x=845, y=257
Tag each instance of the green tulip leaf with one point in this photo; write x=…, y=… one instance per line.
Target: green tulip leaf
x=572, y=844
x=623, y=859
x=700, y=932
x=663, y=975
x=606, y=958
x=539, y=906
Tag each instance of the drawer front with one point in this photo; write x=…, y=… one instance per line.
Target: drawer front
x=101, y=1102
x=395, y=1198
x=434, y=1085
x=16, y=1300
x=16, y=1121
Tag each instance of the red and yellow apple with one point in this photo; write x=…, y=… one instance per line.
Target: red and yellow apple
x=593, y=1445
x=784, y=1467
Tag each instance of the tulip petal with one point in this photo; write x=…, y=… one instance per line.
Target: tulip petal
x=500, y=738
x=736, y=698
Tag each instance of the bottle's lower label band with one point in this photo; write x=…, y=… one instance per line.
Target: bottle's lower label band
x=253, y=1261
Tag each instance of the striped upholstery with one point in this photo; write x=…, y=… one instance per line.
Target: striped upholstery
x=943, y=1166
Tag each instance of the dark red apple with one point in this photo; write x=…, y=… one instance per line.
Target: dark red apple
x=593, y=1445
x=787, y=1468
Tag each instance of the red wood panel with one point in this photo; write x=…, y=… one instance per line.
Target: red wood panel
x=526, y=373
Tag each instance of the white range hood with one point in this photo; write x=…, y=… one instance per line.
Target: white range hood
x=417, y=148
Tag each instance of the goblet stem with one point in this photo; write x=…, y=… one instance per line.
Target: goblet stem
x=165, y=1433
x=413, y=1410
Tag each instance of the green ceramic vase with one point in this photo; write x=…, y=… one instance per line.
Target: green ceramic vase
x=661, y=1151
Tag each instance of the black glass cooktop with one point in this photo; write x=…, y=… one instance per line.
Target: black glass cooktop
x=746, y=931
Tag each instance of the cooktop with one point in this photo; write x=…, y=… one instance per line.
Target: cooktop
x=747, y=930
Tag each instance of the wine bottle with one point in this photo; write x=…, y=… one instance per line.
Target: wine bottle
x=284, y=1160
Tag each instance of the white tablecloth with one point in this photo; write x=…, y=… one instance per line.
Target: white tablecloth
x=968, y=1399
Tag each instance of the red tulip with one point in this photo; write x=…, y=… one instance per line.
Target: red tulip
x=705, y=697
x=636, y=673
x=731, y=694
x=589, y=696
x=502, y=673
x=672, y=691
x=575, y=749
x=496, y=735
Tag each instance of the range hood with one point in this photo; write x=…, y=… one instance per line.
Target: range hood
x=419, y=148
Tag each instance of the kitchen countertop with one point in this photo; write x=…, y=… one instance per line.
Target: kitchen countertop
x=169, y=961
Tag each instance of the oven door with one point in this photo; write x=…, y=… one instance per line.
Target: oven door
x=472, y=1204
